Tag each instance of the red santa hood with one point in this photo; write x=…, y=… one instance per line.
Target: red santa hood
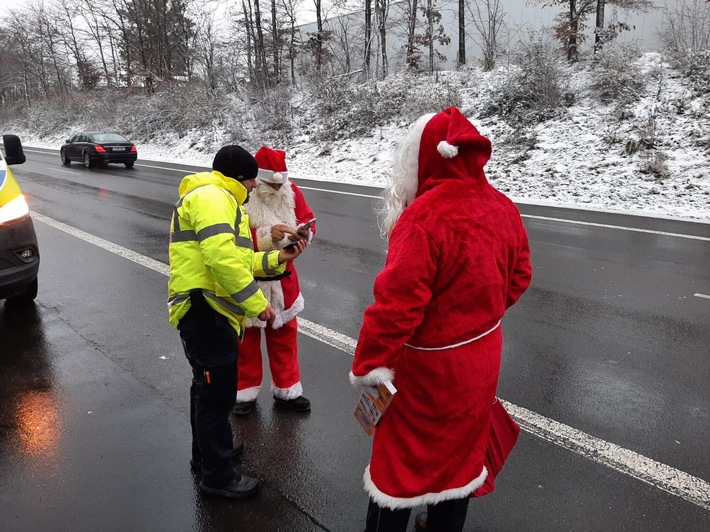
x=443, y=146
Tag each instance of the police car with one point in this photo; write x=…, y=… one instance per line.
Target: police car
x=19, y=253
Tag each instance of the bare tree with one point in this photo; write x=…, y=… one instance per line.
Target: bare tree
x=571, y=22
x=686, y=26
x=488, y=18
x=413, y=57
x=382, y=8
x=368, y=35
x=434, y=33
x=462, y=34
x=604, y=32
x=290, y=8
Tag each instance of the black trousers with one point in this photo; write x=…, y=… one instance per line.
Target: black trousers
x=212, y=346
x=446, y=516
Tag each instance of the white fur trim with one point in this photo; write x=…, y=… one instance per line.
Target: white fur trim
x=393, y=503
x=248, y=394
x=288, y=314
x=287, y=393
x=256, y=322
x=375, y=377
x=447, y=150
x=273, y=292
x=269, y=176
x=263, y=238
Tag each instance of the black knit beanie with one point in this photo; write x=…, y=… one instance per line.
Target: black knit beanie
x=235, y=162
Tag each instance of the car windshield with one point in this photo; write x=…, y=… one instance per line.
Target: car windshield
x=107, y=137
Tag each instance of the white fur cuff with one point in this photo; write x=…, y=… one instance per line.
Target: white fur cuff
x=292, y=392
x=375, y=377
x=248, y=394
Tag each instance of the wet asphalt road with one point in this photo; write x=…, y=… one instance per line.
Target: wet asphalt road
x=94, y=433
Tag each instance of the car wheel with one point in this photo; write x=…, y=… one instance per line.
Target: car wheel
x=65, y=160
x=129, y=164
x=88, y=163
x=25, y=297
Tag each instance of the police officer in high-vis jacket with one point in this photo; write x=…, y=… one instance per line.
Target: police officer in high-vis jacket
x=211, y=292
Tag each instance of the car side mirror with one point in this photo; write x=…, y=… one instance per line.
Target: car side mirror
x=13, y=149
x=68, y=141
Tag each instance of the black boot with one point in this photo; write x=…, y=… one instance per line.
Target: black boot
x=237, y=489
x=299, y=404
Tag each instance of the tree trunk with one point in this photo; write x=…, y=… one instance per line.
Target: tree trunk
x=368, y=36
x=599, y=26
x=572, y=52
x=276, y=43
x=411, y=31
x=430, y=25
x=462, y=34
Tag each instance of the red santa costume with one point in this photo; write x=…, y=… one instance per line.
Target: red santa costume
x=457, y=258
x=268, y=207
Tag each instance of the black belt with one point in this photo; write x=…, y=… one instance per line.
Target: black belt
x=274, y=278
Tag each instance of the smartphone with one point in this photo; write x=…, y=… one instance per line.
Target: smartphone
x=308, y=224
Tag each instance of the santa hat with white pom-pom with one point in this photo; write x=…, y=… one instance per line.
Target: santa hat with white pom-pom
x=272, y=165
x=439, y=147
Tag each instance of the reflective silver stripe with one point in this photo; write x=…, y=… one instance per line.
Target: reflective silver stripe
x=246, y=293
x=183, y=236
x=234, y=309
x=216, y=229
x=175, y=300
x=265, y=264
x=244, y=242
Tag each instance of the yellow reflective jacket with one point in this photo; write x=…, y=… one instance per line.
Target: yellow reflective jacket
x=211, y=249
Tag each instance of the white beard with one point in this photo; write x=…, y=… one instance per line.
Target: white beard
x=268, y=207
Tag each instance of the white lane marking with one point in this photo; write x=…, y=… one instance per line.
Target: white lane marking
x=339, y=192
x=704, y=296
x=692, y=489
x=619, y=227
x=666, y=478
x=62, y=171
x=181, y=170
x=104, y=244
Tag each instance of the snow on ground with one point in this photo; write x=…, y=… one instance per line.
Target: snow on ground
x=577, y=160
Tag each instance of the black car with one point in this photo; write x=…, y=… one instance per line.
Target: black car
x=103, y=148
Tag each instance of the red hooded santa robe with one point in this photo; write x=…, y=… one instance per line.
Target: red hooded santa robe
x=458, y=257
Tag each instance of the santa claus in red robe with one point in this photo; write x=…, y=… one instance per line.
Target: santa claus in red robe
x=457, y=258
x=278, y=215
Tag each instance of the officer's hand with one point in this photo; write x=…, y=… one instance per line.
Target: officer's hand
x=292, y=251
x=279, y=231
x=268, y=315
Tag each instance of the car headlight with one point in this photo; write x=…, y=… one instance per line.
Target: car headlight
x=17, y=208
